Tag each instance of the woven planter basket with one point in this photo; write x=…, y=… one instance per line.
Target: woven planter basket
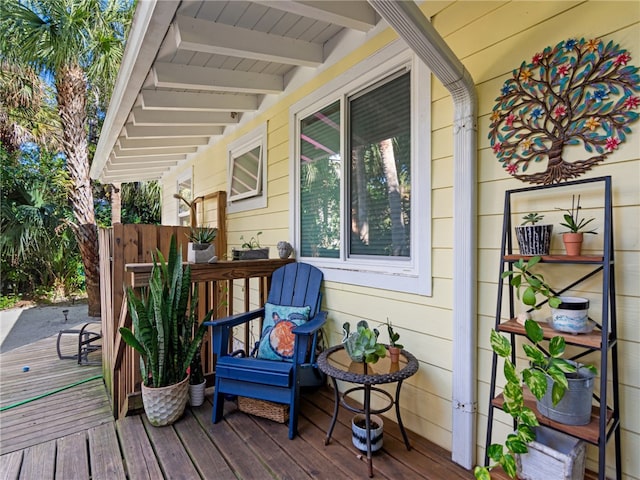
x=165, y=405
x=277, y=412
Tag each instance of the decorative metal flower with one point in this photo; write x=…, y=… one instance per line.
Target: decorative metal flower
x=576, y=93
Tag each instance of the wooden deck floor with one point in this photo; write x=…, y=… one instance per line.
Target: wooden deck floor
x=241, y=446
x=68, y=411
x=71, y=435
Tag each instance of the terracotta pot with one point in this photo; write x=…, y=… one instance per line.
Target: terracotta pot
x=573, y=243
x=394, y=354
x=165, y=405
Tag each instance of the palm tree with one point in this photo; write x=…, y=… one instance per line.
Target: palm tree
x=79, y=43
x=26, y=114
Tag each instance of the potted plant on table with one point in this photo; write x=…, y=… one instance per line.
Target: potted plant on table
x=548, y=377
x=164, y=319
x=363, y=347
x=575, y=236
x=534, y=239
x=251, y=249
x=200, y=249
x=394, y=346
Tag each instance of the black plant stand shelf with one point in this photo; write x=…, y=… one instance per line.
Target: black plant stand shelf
x=605, y=418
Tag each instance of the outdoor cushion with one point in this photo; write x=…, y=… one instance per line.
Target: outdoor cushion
x=277, y=339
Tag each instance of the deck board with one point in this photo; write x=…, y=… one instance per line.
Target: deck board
x=72, y=461
x=106, y=460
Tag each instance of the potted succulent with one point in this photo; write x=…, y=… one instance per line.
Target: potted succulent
x=251, y=249
x=362, y=344
x=575, y=236
x=363, y=347
x=164, y=319
x=548, y=377
x=394, y=346
x=200, y=249
x=534, y=239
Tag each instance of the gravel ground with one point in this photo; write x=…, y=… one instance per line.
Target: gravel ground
x=20, y=326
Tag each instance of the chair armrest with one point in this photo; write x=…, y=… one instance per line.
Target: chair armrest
x=234, y=320
x=313, y=325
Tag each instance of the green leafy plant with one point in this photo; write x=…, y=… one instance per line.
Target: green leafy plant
x=572, y=219
x=530, y=284
x=252, y=243
x=202, y=234
x=541, y=366
x=393, y=336
x=165, y=331
x=362, y=345
x=532, y=218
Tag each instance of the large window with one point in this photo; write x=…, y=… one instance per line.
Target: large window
x=358, y=166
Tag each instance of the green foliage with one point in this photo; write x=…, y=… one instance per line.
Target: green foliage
x=532, y=218
x=572, y=220
x=542, y=365
x=530, y=284
x=165, y=330
x=8, y=301
x=252, y=243
x=362, y=345
x=37, y=249
x=202, y=234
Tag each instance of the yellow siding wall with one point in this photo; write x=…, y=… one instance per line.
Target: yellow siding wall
x=491, y=38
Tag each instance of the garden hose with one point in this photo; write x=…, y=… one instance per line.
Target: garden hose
x=52, y=392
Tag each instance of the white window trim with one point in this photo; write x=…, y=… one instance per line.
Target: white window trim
x=188, y=175
x=412, y=275
x=257, y=137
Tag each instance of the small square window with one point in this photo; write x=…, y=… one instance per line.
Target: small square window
x=247, y=182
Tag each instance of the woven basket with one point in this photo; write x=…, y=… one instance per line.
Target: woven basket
x=261, y=408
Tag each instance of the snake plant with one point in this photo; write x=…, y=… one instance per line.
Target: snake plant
x=165, y=330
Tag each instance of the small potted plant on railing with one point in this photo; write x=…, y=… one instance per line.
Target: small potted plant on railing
x=534, y=239
x=251, y=249
x=548, y=377
x=577, y=228
x=200, y=249
x=394, y=346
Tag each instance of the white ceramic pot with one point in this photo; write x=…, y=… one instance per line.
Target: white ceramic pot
x=196, y=394
x=359, y=432
x=165, y=405
x=571, y=316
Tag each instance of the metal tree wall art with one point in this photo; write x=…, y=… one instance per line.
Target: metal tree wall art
x=578, y=93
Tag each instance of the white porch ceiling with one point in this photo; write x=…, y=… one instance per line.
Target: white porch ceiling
x=193, y=69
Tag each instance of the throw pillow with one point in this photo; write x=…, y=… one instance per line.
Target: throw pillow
x=277, y=340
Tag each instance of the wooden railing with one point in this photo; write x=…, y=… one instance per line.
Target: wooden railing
x=224, y=287
x=125, y=256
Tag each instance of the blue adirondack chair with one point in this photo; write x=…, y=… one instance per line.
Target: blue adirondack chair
x=295, y=285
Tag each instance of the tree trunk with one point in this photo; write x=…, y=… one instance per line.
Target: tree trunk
x=72, y=90
x=398, y=239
